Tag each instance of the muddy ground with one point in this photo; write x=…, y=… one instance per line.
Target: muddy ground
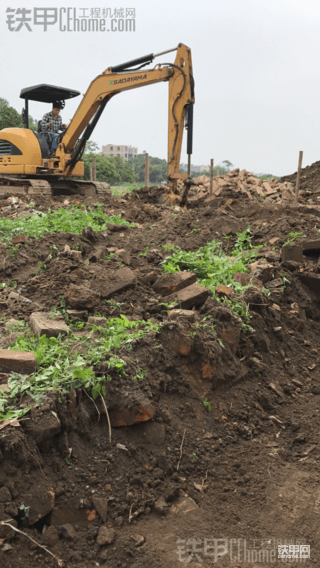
x=190, y=483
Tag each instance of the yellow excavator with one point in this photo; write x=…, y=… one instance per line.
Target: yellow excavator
x=29, y=166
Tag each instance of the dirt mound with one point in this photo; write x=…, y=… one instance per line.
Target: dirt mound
x=214, y=424
x=309, y=180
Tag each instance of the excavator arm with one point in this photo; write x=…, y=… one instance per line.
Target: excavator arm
x=115, y=80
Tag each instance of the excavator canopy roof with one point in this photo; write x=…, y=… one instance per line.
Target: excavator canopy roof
x=47, y=93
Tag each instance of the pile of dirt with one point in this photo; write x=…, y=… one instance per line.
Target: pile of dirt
x=218, y=439
x=309, y=180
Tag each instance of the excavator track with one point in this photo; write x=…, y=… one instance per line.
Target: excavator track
x=13, y=185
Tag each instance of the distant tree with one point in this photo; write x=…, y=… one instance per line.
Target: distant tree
x=9, y=117
x=227, y=164
x=112, y=169
x=92, y=147
x=158, y=169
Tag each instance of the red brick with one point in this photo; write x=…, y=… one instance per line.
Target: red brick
x=226, y=291
x=17, y=361
x=127, y=417
x=46, y=324
x=170, y=283
x=19, y=239
x=116, y=282
x=193, y=295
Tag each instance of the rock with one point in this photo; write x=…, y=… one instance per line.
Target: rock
x=80, y=297
x=161, y=506
x=116, y=282
x=183, y=506
x=40, y=501
x=105, y=536
x=97, y=254
x=261, y=270
x=169, y=283
x=128, y=416
x=139, y=539
x=118, y=521
x=101, y=506
x=50, y=537
x=242, y=277
x=193, y=295
x=292, y=252
x=116, y=228
x=188, y=315
x=18, y=297
x=22, y=362
x=46, y=324
x=122, y=255
x=68, y=532
x=5, y=495
x=100, y=321
x=77, y=314
x=108, y=487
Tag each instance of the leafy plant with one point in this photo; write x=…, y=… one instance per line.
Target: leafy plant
x=72, y=220
x=207, y=405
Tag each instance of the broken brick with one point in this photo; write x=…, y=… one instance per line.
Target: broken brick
x=292, y=252
x=127, y=417
x=225, y=291
x=19, y=239
x=80, y=297
x=188, y=315
x=116, y=282
x=101, y=321
x=22, y=362
x=169, y=283
x=46, y=324
x=77, y=314
x=122, y=255
x=193, y=295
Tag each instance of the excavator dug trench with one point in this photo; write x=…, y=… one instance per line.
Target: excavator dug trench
x=28, y=165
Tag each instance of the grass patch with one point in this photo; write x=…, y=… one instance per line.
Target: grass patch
x=66, y=362
x=72, y=220
x=214, y=268
x=125, y=188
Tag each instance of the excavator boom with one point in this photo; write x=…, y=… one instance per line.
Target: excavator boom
x=23, y=153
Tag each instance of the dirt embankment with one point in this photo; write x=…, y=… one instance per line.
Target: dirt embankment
x=218, y=438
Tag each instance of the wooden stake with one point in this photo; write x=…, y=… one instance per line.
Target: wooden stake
x=211, y=175
x=90, y=166
x=94, y=172
x=146, y=170
x=298, y=178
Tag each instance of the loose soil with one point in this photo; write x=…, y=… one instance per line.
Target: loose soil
x=246, y=467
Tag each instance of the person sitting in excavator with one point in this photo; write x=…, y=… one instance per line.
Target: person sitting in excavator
x=51, y=123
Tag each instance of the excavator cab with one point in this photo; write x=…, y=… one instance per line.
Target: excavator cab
x=45, y=94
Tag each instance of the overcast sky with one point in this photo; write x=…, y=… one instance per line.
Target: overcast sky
x=256, y=70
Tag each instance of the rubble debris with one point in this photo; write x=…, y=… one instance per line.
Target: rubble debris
x=186, y=298
x=80, y=297
x=169, y=283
